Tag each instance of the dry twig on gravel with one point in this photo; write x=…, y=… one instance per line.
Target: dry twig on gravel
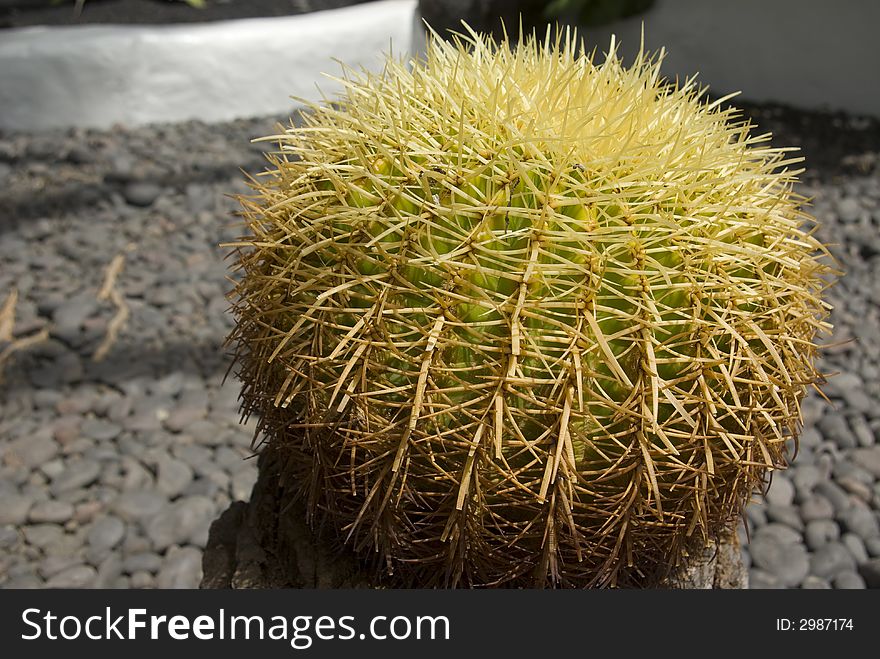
x=109, y=291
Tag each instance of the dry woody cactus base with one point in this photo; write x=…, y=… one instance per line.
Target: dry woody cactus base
x=520, y=318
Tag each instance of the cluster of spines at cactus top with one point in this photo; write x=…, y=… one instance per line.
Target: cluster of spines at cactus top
x=519, y=316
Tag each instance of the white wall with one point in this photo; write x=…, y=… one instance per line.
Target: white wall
x=100, y=75
x=821, y=54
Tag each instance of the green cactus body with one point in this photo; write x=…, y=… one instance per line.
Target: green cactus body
x=521, y=318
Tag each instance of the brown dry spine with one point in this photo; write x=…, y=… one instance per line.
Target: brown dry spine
x=520, y=318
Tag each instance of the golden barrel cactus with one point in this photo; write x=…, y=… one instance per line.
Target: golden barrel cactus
x=520, y=318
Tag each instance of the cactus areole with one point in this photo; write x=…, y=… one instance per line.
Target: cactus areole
x=521, y=318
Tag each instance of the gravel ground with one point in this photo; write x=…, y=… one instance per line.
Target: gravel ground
x=112, y=469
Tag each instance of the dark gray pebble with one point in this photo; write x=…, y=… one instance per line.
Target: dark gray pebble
x=185, y=521
x=861, y=521
x=856, y=547
x=52, y=565
x=870, y=572
x=849, y=580
x=32, y=451
x=816, y=507
x=78, y=576
x=106, y=532
x=787, y=515
x=182, y=568
x=780, y=492
x=138, y=504
x=812, y=582
x=830, y=559
x=9, y=537
x=781, y=533
x=15, y=509
x=100, y=429
x=868, y=459
x=820, y=532
x=56, y=512
x=77, y=474
x=836, y=496
x=173, y=476
x=142, y=562
x=762, y=580
x=42, y=535
x=141, y=194
x=788, y=562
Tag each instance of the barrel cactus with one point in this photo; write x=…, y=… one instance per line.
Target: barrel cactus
x=518, y=317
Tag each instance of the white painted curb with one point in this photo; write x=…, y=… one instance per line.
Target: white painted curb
x=97, y=76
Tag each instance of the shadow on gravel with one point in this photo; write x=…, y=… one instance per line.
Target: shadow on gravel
x=52, y=365
x=72, y=197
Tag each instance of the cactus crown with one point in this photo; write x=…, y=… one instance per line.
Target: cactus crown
x=519, y=317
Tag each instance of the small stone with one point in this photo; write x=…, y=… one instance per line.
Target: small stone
x=142, y=562
x=816, y=507
x=106, y=533
x=243, y=482
x=8, y=537
x=122, y=582
x=787, y=515
x=813, y=582
x=173, y=476
x=820, y=532
x=79, y=473
x=860, y=521
x=109, y=571
x=868, y=459
x=142, y=580
x=855, y=546
x=835, y=428
x=26, y=582
x=42, y=535
x=69, y=316
x=181, y=417
x=79, y=576
x=855, y=487
x=100, y=429
x=781, y=491
x=45, y=399
x=838, y=498
x=872, y=546
x=168, y=386
x=66, y=429
x=200, y=458
x=205, y=432
x=870, y=572
x=52, y=565
x=135, y=543
x=762, y=580
x=849, y=209
x=757, y=514
x=788, y=562
x=141, y=194
x=56, y=512
x=31, y=451
x=138, y=504
x=187, y=520
x=848, y=580
x=182, y=568
x=136, y=475
x=830, y=559
x=862, y=431
x=53, y=468
x=780, y=533
x=14, y=509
